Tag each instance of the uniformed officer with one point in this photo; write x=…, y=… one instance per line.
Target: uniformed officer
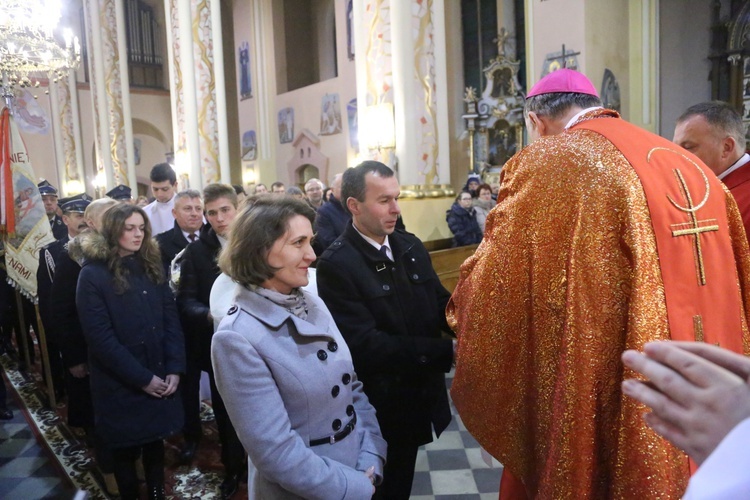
x=122, y=193
x=49, y=256
x=49, y=197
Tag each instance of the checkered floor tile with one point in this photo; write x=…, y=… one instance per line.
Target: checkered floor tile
x=449, y=468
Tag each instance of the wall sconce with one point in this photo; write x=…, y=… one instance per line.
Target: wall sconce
x=100, y=183
x=181, y=167
x=378, y=125
x=73, y=187
x=248, y=175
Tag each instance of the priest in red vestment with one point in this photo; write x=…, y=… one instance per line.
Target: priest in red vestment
x=605, y=237
x=713, y=131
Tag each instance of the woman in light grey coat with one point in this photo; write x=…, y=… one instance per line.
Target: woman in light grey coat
x=284, y=371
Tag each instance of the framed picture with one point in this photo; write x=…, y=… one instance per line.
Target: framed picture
x=286, y=125
x=246, y=88
x=351, y=114
x=249, y=146
x=330, y=116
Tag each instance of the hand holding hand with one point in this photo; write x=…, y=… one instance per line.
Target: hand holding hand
x=156, y=387
x=697, y=392
x=173, y=381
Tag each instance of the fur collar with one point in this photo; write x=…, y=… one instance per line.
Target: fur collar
x=89, y=245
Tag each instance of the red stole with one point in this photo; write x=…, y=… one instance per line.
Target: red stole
x=689, y=216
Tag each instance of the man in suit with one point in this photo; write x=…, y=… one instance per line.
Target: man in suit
x=198, y=272
x=379, y=284
x=714, y=132
x=331, y=220
x=188, y=215
x=188, y=219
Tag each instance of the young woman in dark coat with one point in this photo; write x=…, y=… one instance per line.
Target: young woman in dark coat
x=462, y=221
x=136, y=349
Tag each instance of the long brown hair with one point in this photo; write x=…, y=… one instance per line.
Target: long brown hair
x=113, y=226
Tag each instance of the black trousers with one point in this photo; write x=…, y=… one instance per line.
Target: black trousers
x=398, y=473
x=190, y=390
x=232, y=453
x=124, y=468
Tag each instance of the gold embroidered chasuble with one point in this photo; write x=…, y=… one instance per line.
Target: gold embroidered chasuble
x=567, y=278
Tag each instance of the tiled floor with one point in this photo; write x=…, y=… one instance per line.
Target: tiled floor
x=451, y=467
x=26, y=470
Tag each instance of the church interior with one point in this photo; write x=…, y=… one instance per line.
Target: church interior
x=258, y=91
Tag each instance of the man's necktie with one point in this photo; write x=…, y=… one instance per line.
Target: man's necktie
x=191, y=237
x=384, y=251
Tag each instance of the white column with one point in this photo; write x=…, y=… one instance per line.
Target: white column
x=122, y=48
x=221, y=94
x=75, y=111
x=100, y=107
x=441, y=82
x=404, y=94
x=190, y=106
x=265, y=90
x=56, y=136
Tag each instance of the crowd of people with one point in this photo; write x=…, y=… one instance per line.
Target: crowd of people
x=604, y=240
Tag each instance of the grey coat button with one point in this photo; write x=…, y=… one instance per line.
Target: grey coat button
x=333, y=346
x=415, y=276
x=423, y=359
x=336, y=425
x=386, y=287
x=335, y=391
x=350, y=410
x=232, y=310
x=346, y=379
x=322, y=355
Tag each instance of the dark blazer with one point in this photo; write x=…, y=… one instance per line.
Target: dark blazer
x=66, y=328
x=198, y=272
x=49, y=257
x=464, y=226
x=131, y=337
x=59, y=229
x=171, y=243
x=329, y=224
x=391, y=315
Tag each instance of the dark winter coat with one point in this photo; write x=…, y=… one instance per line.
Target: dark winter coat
x=391, y=315
x=49, y=257
x=198, y=272
x=131, y=337
x=329, y=224
x=66, y=330
x=464, y=226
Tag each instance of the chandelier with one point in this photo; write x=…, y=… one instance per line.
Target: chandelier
x=31, y=44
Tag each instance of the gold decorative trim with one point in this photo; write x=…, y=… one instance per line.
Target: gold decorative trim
x=698, y=328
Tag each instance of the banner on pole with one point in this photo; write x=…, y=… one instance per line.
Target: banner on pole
x=23, y=221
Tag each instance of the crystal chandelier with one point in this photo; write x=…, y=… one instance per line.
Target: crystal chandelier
x=32, y=46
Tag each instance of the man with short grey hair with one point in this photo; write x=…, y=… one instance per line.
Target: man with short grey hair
x=188, y=219
x=314, y=192
x=713, y=131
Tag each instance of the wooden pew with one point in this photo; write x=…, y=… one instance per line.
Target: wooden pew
x=446, y=261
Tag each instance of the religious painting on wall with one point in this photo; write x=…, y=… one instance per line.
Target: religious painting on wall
x=610, y=91
x=562, y=59
x=249, y=146
x=246, y=89
x=286, y=125
x=746, y=96
x=330, y=116
x=351, y=113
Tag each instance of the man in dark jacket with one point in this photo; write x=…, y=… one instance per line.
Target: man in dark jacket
x=49, y=257
x=188, y=219
x=198, y=272
x=331, y=219
x=381, y=289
